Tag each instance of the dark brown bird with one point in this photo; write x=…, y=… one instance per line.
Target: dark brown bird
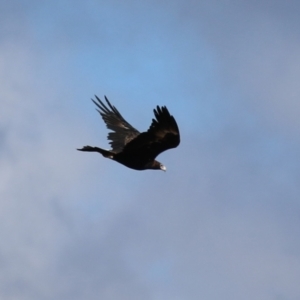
x=131, y=148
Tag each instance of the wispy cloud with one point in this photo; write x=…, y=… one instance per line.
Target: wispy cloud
x=221, y=222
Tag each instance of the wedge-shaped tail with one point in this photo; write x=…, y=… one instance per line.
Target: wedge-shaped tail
x=105, y=153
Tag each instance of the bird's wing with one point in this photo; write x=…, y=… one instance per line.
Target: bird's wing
x=122, y=132
x=163, y=134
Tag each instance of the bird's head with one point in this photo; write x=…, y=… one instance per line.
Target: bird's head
x=156, y=165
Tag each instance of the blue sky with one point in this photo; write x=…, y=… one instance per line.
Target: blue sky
x=222, y=222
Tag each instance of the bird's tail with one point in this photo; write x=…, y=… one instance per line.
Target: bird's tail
x=105, y=153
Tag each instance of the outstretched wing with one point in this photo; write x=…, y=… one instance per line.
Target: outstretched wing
x=123, y=132
x=163, y=134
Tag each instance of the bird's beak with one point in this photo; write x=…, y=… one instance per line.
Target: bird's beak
x=163, y=168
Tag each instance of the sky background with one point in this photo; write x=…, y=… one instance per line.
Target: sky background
x=222, y=222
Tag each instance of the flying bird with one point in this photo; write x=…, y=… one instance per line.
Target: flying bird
x=131, y=148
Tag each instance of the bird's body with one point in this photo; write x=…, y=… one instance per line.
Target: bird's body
x=131, y=148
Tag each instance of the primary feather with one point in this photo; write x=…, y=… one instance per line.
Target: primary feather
x=123, y=132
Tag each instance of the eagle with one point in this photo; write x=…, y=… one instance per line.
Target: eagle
x=134, y=149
